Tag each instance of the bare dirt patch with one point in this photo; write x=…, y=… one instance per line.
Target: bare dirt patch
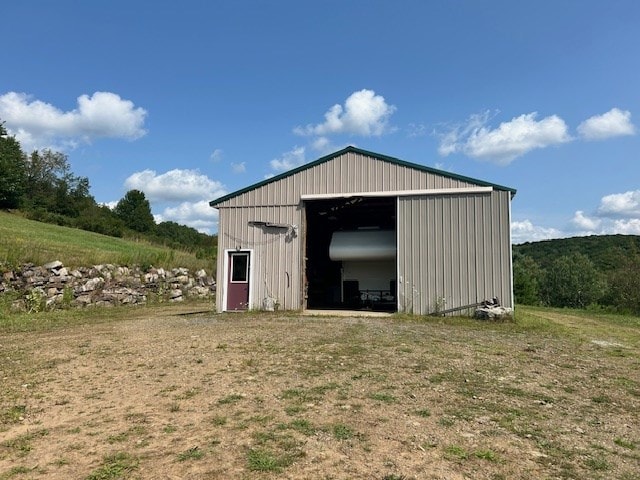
x=165, y=395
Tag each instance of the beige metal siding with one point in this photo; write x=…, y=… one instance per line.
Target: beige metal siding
x=453, y=250
x=276, y=253
x=347, y=173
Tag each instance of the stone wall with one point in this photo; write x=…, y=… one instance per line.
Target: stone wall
x=50, y=286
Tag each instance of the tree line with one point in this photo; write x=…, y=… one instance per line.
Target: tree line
x=42, y=186
x=581, y=272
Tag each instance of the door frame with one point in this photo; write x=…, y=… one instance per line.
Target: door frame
x=227, y=258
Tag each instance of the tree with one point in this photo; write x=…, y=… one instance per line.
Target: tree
x=624, y=286
x=135, y=211
x=572, y=281
x=12, y=170
x=526, y=279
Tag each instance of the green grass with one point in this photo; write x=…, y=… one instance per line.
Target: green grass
x=191, y=454
x=28, y=241
x=118, y=465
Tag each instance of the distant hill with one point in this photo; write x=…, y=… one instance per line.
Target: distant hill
x=605, y=251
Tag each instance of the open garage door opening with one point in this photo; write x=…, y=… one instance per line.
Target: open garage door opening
x=351, y=254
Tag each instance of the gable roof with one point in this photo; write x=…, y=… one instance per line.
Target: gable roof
x=351, y=149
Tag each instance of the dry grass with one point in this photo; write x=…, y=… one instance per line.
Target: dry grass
x=165, y=395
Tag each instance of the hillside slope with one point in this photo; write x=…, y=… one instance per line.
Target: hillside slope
x=28, y=241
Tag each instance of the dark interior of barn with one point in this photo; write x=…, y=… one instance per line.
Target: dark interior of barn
x=353, y=279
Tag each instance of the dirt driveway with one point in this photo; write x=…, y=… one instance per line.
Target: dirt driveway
x=173, y=394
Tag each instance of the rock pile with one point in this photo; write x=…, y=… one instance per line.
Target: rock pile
x=52, y=286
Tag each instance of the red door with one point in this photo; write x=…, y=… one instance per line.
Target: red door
x=238, y=281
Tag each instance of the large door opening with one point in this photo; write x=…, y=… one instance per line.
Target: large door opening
x=351, y=259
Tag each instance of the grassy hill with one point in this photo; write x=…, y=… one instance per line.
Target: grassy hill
x=23, y=241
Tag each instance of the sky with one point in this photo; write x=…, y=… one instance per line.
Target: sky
x=188, y=101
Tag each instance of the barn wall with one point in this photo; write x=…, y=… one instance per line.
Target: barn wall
x=453, y=250
x=347, y=173
x=277, y=253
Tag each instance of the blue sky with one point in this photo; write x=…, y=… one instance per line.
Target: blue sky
x=191, y=100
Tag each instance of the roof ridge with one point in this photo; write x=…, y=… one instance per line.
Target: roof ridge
x=353, y=149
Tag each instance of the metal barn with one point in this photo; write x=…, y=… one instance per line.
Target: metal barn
x=359, y=230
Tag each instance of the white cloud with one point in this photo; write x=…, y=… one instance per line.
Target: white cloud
x=175, y=185
x=506, y=142
x=322, y=144
x=198, y=215
x=582, y=222
x=625, y=204
x=626, y=227
x=238, y=167
x=216, y=155
x=364, y=113
x=291, y=159
x=613, y=123
x=37, y=124
x=525, y=231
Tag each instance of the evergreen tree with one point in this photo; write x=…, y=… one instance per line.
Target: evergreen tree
x=135, y=211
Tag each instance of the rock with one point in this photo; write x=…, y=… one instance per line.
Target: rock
x=493, y=313
x=55, y=265
x=54, y=286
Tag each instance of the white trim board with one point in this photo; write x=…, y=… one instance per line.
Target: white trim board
x=398, y=193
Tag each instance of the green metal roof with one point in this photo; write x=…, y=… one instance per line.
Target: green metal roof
x=352, y=149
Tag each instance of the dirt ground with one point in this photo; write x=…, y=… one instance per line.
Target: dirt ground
x=176, y=394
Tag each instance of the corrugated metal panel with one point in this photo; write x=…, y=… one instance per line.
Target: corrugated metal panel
x=276, y=253
x=350, y=172
x=453, y=250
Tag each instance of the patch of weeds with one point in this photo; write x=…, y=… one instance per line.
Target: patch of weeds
x=170, y=429
x=383, y=397
x=455, y=452
x=260, y=419
x=22, y=443
x=120, y=437
x=263, y=460
x=60, y=462
x=193, y=453
x=446, y=421
x=597, y=463
x=322, y=389
x=18, y=470
x=601, y=399
x=342, y=432
x=294, y=409
x=488, y=455
x=303, y=426
x=118, y=465
x=230, y=399
x=13, y=414
x=621, y=442
x=218, y=420
x=393, y=476
x=424, y=413
x=293, y=393
x=190, y=393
